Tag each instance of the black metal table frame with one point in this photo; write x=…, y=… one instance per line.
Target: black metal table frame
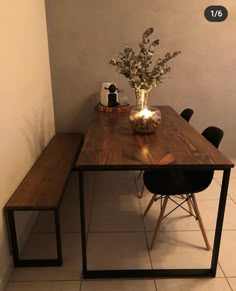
x=151, y=273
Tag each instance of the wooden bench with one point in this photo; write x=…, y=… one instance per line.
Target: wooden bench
x=43, y=189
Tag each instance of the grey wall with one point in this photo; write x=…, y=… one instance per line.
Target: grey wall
x=84, y=35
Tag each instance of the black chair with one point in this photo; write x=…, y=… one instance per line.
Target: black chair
x=187, y=114
x=167, y=183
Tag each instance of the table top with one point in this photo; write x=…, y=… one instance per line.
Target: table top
x=110, y=144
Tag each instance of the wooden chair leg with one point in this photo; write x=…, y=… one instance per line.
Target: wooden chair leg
x=196, y=209
x=189, y=204
x=159, y=221
x=150, y=204
x=141, y=193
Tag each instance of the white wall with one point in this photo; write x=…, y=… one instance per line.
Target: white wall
x=26, y=111
x=84, y=35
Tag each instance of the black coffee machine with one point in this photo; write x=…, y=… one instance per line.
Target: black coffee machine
x=109, y=94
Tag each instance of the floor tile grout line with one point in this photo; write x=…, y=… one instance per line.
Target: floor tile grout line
x=118, y=232
x=81, y=282
x=229, y=284
x=221, y=268
x=146, y=238
x=138, y=231
x=225, y=276
x=133, y=231
x=233, y=199
x=90, y=209
x=44, y=281
x=228, y=194
x=51, y=232
x=130, y=231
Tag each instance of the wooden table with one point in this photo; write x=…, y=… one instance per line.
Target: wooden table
x=111, y=145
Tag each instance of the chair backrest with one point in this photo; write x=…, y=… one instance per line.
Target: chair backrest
x=187, y=114
x=214, y=135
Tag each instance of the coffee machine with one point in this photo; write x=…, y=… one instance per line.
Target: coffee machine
x=109, y=94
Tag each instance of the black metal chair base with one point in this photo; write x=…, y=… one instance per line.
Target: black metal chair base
x=18, y=262
x=146, y=273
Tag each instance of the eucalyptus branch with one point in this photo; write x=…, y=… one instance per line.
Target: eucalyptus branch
x=136, y=67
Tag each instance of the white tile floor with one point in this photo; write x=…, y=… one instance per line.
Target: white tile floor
x=118, y=237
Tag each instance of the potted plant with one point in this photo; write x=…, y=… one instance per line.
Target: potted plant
x=143, y=73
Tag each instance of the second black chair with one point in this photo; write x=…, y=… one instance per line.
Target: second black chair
x=187, y=114
x=167, y=183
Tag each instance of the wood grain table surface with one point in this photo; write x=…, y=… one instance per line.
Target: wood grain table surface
x=111, y=144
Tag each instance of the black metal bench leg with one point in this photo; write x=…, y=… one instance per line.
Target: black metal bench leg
x=220, y=219
x=13, y=236
x=58, y=237
x=18, y=262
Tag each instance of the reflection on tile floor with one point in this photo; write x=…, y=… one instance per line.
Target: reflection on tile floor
x=118, y=237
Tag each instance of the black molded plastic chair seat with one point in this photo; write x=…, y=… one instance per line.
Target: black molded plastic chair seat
x=187, y=114
x=176, y=182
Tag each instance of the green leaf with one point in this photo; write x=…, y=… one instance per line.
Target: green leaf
x=147, y=32
x=155, y=42
x=141, y=45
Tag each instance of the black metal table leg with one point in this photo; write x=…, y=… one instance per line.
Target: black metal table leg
x=220, y=219
x=83, y=226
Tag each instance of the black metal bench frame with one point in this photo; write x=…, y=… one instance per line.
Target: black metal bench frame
x=18, y=262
